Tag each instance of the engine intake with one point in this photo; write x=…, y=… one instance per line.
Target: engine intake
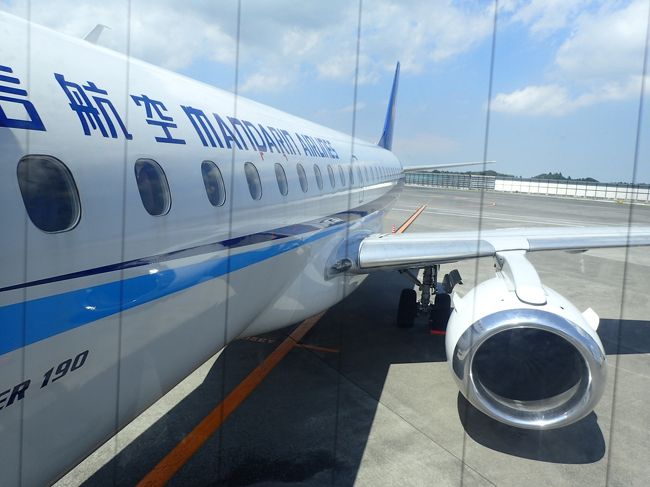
x=530, y=368
x=524, y=355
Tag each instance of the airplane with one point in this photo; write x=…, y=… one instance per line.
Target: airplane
x=150, y=219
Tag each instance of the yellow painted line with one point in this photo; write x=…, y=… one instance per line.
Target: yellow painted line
x=411, y=219
x=179, y=456
x=317, y=348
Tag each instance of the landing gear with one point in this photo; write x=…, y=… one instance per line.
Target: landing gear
x=439, y=312
x=407, y=308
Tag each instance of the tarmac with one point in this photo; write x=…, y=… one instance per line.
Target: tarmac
x=368, y=404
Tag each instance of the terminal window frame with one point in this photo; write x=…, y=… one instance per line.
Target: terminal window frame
x=49, y=193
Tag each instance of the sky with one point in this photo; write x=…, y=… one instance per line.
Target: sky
x=567, y=74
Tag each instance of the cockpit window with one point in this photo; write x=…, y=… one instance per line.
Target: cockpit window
x=213, y=181
x=49, y=193
x=153, y=187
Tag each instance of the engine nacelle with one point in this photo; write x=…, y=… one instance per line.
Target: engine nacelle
x=522, y=353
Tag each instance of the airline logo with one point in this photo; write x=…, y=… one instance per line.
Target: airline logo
x=98, y=116
x=14, y=105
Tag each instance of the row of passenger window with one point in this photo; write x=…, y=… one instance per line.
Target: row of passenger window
x=52, y=199
x=373, y=175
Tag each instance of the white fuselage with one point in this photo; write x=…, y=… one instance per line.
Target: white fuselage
x=149, y=298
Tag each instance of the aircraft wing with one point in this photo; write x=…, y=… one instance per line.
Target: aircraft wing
x=432, y=167
x=411, y=250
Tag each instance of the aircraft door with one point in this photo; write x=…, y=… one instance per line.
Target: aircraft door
x=356, y=167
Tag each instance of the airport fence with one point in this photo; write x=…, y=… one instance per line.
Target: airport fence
x=450, y=180
x=571, y=189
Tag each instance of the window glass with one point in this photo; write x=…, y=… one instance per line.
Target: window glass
x=253, y=179
x=49, y=193
x=281, y=176
x=213, y=181
x=341, y=175
x=153, y=187
x=319, y=177
x=302, y=177
x=365, y=169
x=330, y=172
x=359, y=175
x=351, y=176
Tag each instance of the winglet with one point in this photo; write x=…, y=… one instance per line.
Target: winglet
x=386, y=140
x=93, y=35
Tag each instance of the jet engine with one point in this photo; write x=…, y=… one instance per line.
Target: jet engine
x=522, y=353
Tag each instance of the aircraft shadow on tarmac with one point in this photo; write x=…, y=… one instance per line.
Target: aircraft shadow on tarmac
x=310, y=420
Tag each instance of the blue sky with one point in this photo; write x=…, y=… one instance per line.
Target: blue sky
x=567, y=74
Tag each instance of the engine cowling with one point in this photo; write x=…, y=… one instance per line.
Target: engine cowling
x=535, y=366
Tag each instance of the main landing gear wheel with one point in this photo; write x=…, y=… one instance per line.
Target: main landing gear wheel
x=439, y=314
x=407, y=308
x=440, y=311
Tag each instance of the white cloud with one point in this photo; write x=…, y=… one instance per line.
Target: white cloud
x=607, y=43
x=555, y=99
x=346, y=109
x=533, y=100
x=265, y=82
x=421, y=148
x=547, y=16
x=600, y=61
x=280, y=40
x=160, y=32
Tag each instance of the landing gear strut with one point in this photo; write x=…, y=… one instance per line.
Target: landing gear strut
x=438, y=312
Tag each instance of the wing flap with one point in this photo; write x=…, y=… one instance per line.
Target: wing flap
x=402, y=251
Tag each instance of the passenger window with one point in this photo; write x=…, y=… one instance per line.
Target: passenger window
x=213, y=181
x=330, y=172
x=281, y=176
x=359, y=175
x=341, y=175
x=153, y=187
x=351, y=176
x=319, y=177
x=302, y=176
x=365, y=169
x=253, y=180
x=49, y=193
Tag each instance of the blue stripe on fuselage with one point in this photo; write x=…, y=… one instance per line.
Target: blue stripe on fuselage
x=49, y=316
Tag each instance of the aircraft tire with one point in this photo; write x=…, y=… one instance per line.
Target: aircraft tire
x=407, y=308
x=440, y=312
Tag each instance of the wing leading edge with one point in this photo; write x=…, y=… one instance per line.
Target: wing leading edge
x=401, y=251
